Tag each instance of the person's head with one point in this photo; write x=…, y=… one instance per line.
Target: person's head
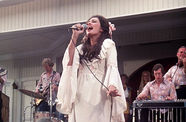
x=145, y=77
x=124, y=79
x=47, y=64
x=158, y=72
x=98, y=27
x=181, y=54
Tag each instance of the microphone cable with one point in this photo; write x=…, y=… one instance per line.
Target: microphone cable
x=96, y=79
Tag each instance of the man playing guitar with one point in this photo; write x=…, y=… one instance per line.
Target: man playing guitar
x=43, y=86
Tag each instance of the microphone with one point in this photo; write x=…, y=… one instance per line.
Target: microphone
x=84, y=26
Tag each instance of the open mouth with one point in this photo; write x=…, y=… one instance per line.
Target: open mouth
x=90, y=28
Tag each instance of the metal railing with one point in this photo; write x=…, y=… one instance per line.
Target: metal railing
x=159, y=111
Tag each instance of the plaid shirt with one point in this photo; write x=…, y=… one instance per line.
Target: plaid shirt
x=177, y=74
x=156, y=92
x=45, y=81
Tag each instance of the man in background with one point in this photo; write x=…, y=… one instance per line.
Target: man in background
x=43, y=87
x=177, y=73
x=3, y=79
x=160, y=88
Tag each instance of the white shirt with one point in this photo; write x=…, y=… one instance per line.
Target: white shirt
x=177, y=74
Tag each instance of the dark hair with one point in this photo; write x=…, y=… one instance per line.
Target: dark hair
x=91, y=52
x=126, y=77
x=156, y=67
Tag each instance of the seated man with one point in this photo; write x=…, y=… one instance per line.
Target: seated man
x=177, y=73
x=158, y=89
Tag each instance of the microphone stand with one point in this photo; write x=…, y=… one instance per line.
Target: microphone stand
x=50, y=100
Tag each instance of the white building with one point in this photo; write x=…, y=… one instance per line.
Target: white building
x=33, y=29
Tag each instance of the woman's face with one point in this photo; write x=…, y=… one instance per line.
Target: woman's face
x=94, y=27
x=145, y=77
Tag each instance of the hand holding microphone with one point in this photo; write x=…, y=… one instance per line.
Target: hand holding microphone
x=77, y=29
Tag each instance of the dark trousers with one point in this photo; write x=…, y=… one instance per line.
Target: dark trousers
x=43, y=106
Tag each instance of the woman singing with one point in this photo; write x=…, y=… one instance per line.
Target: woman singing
x=80, y=94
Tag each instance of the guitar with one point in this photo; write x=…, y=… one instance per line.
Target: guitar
x=44, y=94
x=45, y=91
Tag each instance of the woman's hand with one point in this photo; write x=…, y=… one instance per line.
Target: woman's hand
x=77, y=32
x=74, y=38
x=113, y=91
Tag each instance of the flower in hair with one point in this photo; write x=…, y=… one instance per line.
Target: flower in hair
x=111, y=28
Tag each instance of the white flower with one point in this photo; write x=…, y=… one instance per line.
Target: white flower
x=111, y=28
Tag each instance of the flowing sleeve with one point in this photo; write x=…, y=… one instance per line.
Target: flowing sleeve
x=68, y=84
x=113, y=78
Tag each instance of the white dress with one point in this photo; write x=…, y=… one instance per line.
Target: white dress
x=82, y=97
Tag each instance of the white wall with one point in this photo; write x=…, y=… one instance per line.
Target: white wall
x=41, y=13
